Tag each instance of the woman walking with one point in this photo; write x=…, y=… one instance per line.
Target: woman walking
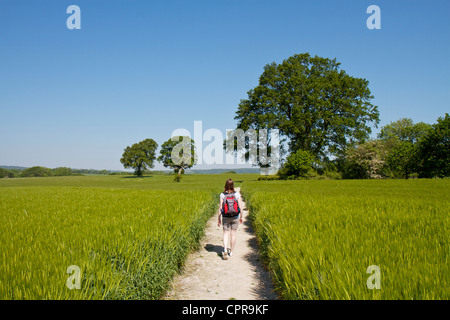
x=230, y=216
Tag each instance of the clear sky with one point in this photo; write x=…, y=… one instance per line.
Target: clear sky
x=141, y=69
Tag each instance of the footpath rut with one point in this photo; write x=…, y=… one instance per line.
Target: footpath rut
x=206, y=276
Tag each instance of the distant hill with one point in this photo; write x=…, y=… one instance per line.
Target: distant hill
x=217, y=171
x=74, y=169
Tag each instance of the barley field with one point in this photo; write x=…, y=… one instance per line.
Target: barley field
x=319, y=238
x=127, y=236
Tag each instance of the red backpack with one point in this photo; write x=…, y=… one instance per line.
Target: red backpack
x=230, y=206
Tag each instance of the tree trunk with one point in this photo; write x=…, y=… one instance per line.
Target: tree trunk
x=139, y=171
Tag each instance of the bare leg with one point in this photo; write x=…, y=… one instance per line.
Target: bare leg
x=226, y=238
x=232, y=239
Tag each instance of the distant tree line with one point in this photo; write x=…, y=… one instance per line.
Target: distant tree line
x=38, y=171
x=403, y=149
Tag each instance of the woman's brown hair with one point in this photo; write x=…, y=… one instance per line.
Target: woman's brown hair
x=229, y=185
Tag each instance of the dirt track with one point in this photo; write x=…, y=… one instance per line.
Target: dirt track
x=206, y=276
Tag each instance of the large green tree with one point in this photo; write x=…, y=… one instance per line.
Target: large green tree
x=140, y=156
x=316, y=106
x=178, y=153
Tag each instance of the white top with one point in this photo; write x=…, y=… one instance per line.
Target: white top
x=237, y=195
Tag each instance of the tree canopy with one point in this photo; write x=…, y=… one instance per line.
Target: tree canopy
x=140, y=156
x=404, y=130
x=400, y=138
x=178, y=155
x=403, y=149
x=37, y=171
x=316, y=106
x=433, y=151
x=297, y=164
x=365, y=161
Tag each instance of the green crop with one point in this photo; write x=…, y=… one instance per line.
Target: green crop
x=128, y=236
x=318, y=238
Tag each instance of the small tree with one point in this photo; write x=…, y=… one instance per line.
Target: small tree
x=298, y=164
x=178, y=155
x=366, y=161
x=140, y=156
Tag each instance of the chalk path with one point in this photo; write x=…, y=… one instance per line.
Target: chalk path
x=206, y=276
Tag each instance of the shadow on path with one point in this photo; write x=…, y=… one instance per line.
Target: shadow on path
x=214, y=248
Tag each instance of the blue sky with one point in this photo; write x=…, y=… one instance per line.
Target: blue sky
x=141, y=69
